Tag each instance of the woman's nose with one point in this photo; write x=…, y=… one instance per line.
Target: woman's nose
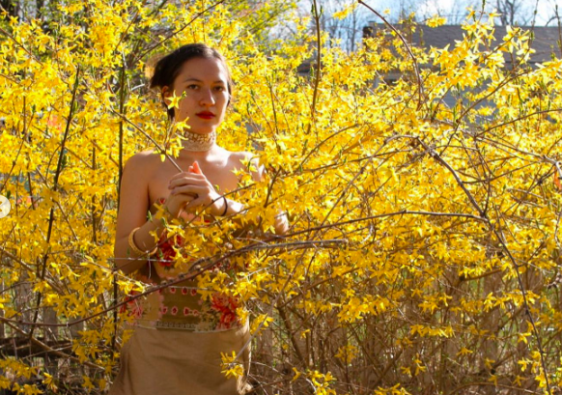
x=206, y=97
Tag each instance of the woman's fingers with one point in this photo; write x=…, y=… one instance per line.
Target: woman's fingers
x=184, y=197
x=192, y=195
x=195, y=168
x=175, y=203
x=190, y=189
x=191, y=178
x=200, y=201
x=195, y=184
x=187, y=176
x=188, y=173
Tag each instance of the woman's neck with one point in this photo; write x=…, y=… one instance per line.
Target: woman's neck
x=201, y=156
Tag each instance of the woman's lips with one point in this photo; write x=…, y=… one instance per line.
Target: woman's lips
x=205, y=115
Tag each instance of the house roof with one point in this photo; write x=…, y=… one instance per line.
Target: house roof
x=545, y=41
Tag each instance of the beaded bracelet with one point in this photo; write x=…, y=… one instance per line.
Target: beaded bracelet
x=134, y=247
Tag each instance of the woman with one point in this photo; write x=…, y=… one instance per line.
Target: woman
x=177, y=343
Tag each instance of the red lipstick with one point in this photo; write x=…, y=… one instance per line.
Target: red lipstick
x=205, y=115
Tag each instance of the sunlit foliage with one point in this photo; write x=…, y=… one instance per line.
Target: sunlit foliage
x=423, y=254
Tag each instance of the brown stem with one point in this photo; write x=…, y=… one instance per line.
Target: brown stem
x=143, y=54
x=291, y=332
x=421, y=93
x=502, y=240
x=55, y=189
x=49, y=349
x=198, y=270
x=318, y=64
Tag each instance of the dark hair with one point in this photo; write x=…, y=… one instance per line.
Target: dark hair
x=168, y=67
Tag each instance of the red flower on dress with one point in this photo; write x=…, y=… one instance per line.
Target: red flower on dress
x=186, y=311
x=137, y=310
x=174, y=310
x=184, y=291
x=167, y=250
x=132, y=305
x=227, y=307
x=227, y=319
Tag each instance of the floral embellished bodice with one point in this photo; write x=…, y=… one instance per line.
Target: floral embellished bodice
x=182, y=306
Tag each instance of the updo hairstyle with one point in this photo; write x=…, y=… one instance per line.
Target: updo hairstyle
x=169, y=66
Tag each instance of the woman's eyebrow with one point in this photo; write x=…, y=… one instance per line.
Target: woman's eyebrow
x=198, y=80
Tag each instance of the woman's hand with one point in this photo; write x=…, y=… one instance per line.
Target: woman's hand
x=194, y=191
x=175, y=204
x=281, y=225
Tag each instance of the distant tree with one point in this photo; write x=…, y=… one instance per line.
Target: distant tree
x=514, y=12
x=346, y=29
x=553, y=16
x=343, y=20
x=11, y=6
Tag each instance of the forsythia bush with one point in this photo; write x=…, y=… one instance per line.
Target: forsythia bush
x=424, y=253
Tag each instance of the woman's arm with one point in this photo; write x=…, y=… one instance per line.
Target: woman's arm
x=133, y=208
x=281, y=224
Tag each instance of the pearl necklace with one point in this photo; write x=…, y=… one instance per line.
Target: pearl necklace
x=197, y=142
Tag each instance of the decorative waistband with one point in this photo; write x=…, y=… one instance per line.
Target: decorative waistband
x=184, y=308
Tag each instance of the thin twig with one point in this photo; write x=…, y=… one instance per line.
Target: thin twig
x=421, y=93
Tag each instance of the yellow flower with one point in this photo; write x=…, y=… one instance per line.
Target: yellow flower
x=174, y=101
x=436, y=21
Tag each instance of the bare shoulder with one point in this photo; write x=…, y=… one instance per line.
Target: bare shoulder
x=143, y=161
x=141, y=166
x=149, y=154
x=249, y=162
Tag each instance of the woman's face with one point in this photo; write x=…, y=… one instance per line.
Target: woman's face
x=203, y=83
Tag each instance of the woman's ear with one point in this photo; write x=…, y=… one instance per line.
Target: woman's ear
x=165, y=94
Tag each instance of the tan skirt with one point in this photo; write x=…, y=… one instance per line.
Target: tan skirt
x=178, y=362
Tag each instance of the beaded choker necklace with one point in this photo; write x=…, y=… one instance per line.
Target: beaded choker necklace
x=197, y=142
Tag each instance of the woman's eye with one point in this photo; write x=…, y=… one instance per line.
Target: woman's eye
x=219, y=88
x=192, y=86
